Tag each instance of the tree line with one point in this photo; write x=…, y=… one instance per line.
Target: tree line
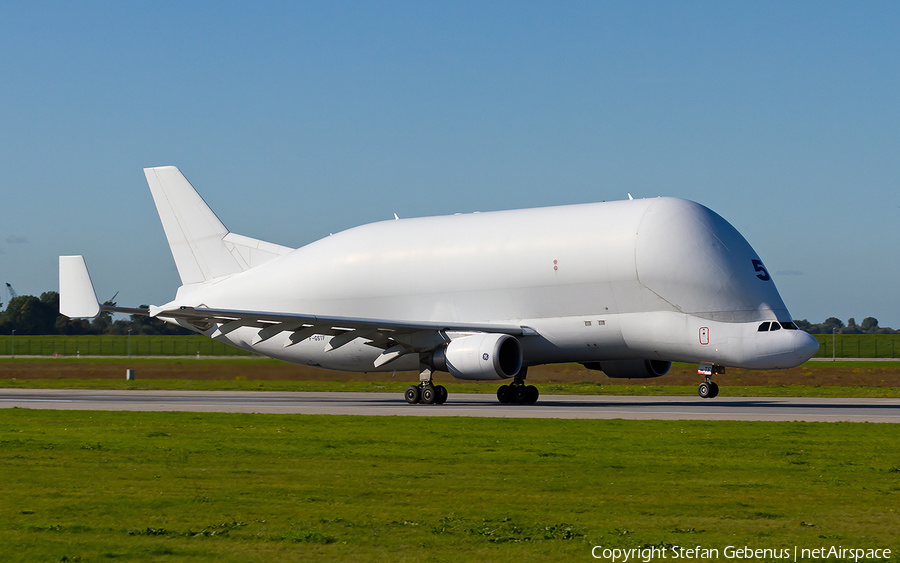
x=869, y=325
x=30, y=315
x=27, y=314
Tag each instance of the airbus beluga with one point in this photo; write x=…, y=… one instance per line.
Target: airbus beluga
x=626, y=287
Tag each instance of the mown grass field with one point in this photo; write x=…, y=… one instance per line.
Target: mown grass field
x=92, y=486
x=813, y=379
x=858, y=345
x=577, y=388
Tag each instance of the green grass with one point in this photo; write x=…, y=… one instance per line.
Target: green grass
x=858, y=345
x=488, y=388
x=399, y=384
x=101, y=486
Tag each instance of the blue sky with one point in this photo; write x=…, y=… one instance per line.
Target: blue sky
x=297, y=119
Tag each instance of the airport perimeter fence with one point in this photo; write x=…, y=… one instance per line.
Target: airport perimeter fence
x=842, y=346
x=109, y=345
x=858, y=345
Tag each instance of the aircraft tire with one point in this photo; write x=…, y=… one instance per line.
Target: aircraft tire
x=714, y=392
x=531, y=394
x=412, y=395
x=519, y=394
x=504, y=394
x=440, y=395
x=428, y=394
x=704, y=390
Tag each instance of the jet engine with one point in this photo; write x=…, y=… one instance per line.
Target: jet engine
x=480, y=356
x=633, y=369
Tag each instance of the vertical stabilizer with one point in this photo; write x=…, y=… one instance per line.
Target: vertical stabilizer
x=201, y=245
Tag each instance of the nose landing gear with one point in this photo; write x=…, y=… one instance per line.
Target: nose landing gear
x=709, y=389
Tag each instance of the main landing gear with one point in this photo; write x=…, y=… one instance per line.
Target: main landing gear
x=518, y=392
x=426, y=391
x=709, y=389
x=428, y=394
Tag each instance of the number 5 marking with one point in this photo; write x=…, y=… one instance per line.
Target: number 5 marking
x=763, y=274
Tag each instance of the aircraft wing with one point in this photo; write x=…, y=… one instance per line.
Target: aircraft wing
x=395, y=337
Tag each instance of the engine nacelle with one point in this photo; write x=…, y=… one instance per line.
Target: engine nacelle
x=480, y=356
x=635, y=369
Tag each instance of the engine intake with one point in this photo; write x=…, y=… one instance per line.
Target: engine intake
x=632, y=369
x=482, y=356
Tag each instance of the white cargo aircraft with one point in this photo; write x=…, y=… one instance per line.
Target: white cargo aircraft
x=626, y=287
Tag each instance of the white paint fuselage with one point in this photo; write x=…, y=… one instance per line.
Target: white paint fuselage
x=663, y=278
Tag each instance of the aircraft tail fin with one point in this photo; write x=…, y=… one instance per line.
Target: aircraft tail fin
x=77, y=298
x=202, y=247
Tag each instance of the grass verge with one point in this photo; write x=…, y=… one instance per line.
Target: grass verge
x=94, y=486
x=576, y=388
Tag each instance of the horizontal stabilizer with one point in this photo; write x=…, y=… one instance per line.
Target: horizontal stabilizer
x=77, y=298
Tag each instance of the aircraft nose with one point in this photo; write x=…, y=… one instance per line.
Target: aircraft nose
x=805, y=345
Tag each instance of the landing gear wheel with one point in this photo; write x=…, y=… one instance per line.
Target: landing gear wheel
x=519, y=394
x=440, y=395
x=704, y=390
x=531, y=394
x=709, y=389
x=428, y=394
x=412, y=395
x=504, y=394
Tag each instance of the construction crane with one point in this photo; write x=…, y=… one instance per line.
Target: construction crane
x=12, y=292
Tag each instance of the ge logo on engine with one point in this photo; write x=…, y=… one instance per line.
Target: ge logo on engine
x=485, y=356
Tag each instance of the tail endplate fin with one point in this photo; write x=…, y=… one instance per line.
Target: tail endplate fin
x=77, y=299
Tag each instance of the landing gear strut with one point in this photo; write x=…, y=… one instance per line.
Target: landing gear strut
x=709, y=389
x=518, y=392
x=426, y=391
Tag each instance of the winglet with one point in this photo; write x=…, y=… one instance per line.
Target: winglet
x=77, y=298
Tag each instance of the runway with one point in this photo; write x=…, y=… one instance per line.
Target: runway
x=459, y=404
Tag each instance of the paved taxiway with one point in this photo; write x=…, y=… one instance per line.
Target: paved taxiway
x=459, y=404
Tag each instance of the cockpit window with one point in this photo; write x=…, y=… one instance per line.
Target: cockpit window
x=763, y=327
x=789, y=325
x=775, y=326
